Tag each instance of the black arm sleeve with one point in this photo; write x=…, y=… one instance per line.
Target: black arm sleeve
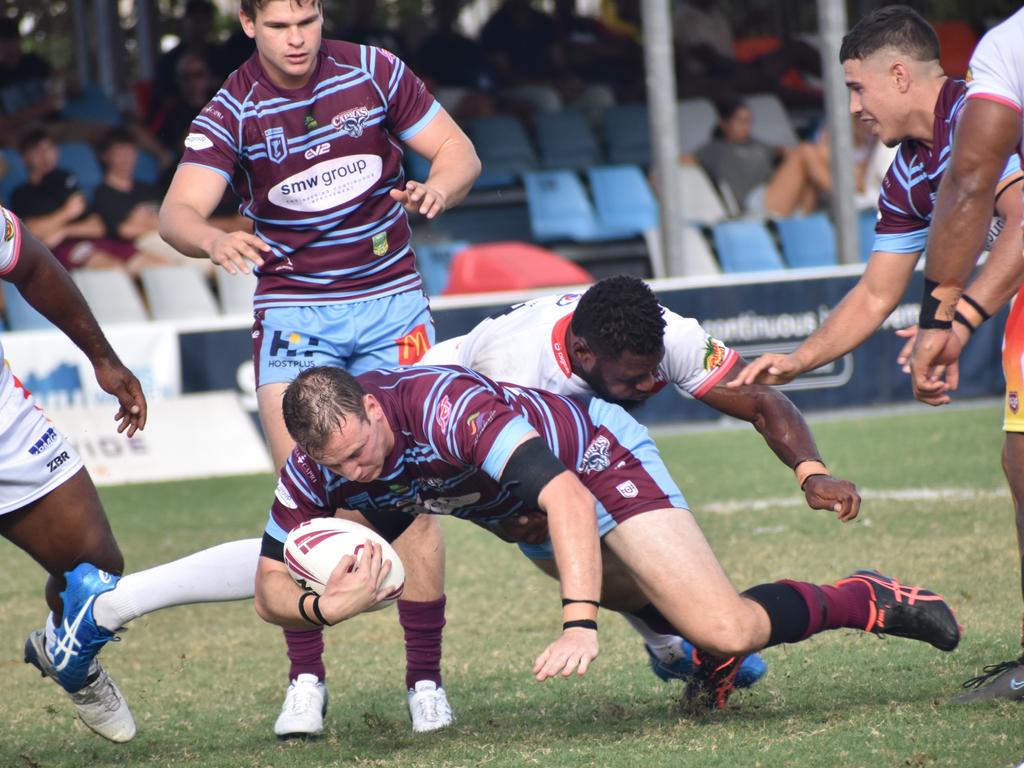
x=530, y=467
x=272, y=548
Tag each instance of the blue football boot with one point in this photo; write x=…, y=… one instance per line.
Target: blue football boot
x=684, y=663
x=79, y=638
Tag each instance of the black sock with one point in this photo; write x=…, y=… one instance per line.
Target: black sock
x=786, y=610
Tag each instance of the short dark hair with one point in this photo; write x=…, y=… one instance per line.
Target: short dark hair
x=893, y=26
x=251, y=7
x=727, y=105
x=620, y=314
x=116, y=135
x=32, y=137
x=318, y=401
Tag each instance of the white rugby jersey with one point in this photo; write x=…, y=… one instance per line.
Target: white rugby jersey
x=526, y=346
x=997, y=68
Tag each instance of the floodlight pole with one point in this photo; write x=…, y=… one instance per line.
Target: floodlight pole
x=659, y=60
x=832, y=23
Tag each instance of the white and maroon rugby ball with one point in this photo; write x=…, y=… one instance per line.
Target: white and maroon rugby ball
x=314, y=548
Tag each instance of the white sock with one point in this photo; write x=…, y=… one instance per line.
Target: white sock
x=220, y=573
x=51, y=635
x=665, y=647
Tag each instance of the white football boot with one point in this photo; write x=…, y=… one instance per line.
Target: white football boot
x=99, y=702
x=304, y=708
x=429, y=707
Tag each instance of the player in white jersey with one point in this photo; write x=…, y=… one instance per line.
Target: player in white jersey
x=617, y=342
x=48, y=504
x=990, y=131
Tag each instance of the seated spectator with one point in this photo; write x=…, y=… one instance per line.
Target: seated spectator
x=129, y=208
x=761, y=179
x=596, y=52
x=197, y=28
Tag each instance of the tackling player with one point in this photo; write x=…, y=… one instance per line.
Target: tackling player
x=989, y=132
x=437, y=440
x=48, y=504
x=307, y=133
x=619, y=343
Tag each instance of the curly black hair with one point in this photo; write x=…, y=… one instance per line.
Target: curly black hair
x=620, y=314
x=892, y=26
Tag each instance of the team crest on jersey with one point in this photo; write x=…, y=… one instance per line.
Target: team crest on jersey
x=380, y=244
x=444, y=410
x=714, y=353
x=351, y=122
x=567, y=299
x=595, y=458
x=628, y=489
x=276, y=143
x=1013, y=402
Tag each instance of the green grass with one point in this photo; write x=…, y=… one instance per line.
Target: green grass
x=205, y=682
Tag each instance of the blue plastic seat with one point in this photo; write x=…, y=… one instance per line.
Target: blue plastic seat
x=147, y=168
x=623, y=198
x=808, y=241
x=566, y=140
x=434, y=260
x=504, y=149
x=94, y=105
x=746, y=246
x=560, y=210
x=14, y=176
x=22, y=316
x=627, y=133
x=78, y=158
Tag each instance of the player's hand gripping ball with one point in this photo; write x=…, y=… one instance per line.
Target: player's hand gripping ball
x=314, y=548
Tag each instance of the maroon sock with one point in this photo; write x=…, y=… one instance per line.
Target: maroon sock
x=832, y=607
x=306, y=652
x=422, y=623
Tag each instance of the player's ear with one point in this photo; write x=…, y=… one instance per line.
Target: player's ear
x=582, y=353
x=372, y=406
x=248, y=25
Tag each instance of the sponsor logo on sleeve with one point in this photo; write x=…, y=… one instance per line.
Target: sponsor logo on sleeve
x=566, y=299
x=413, y=345
x=198, y=141
x=714, y=353
x=284, y=497
x=595, y=458
x=328, y=184
x=444, y=410
x=628, y=489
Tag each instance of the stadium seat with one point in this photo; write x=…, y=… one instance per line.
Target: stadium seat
x=700, y=201
x=698, y=257
x=92, y=105
x=14, y=173
x=509, y=266
x=235, y=292
x=78, y=158
x=22, y=316
x=177, y=292
x=746, y=246
x=866, y=221
x=147, y=168
x=623, y=198
x=111, y=295
x=771, y=121
x=560, y=210
x=627, y=134
x=566, y=140
x=504, y=149
x=697, y=121
x=808, y=241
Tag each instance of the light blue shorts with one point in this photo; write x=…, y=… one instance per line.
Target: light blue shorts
x=359, y=336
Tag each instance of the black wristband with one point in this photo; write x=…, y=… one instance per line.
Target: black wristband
x=959, y=318
x=929, y=306
x=302, y=608
x=581, y=623
x=977, y=307
x=316, y=611
x=568, y=601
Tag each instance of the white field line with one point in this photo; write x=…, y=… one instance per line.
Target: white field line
x=940, y=495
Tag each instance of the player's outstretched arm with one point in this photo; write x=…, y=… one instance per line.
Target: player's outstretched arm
x=454, y=166
x=193, y=196
x=861, y=312
x=986, y=136
x=46, y=285
x=785, y=431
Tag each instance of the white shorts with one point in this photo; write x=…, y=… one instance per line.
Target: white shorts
x=35, y=457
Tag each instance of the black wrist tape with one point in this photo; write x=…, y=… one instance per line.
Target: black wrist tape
x=929, y=307
x=581, y=623
x=959, y=318
x=568, y=600
x=977, y=307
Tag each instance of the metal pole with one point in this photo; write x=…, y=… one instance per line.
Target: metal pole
x=145, y=36
x=832, y=23
x=106, y=54
x=661, y=102
x=81, y=33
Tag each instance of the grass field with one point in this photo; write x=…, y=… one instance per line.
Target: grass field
x=206, y=682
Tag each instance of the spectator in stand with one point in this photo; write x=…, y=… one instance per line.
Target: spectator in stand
x=129, y=207
x=758, y=178
x=365, y=28
x=598, y=53
x=530, y=66
x=197, y=26
x=454, y=67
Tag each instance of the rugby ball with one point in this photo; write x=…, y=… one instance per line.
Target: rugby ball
x=314, y=548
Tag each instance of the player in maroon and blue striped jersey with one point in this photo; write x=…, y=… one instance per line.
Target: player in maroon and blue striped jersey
x=446, y=440
x=309, y=132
